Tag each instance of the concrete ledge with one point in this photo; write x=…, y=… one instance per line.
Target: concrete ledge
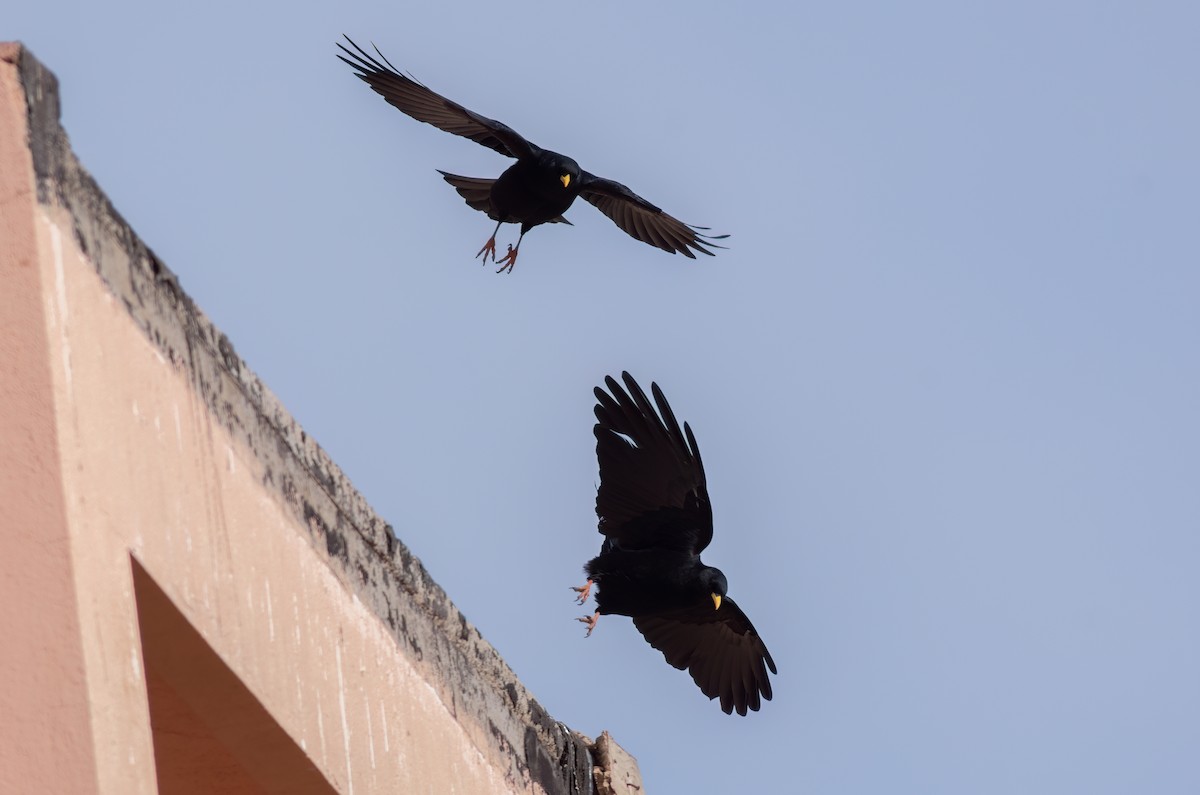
x=527, y=748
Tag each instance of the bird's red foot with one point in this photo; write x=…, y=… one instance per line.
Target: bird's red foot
x=590, y=621
x=488, y=248
x=584, y=592
x=510, y=258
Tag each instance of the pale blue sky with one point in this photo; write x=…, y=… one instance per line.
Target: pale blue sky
x=945, y=380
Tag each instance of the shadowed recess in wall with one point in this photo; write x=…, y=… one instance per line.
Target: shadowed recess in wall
x=210, y=732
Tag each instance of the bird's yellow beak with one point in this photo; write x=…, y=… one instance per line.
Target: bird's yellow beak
x=716, y=601
x=566, y=180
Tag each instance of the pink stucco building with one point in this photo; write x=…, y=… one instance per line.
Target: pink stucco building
x=193, y=598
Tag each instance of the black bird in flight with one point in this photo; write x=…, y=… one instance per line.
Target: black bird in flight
x=656, y=520
x=540, y=186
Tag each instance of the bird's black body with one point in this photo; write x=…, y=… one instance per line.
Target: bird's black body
x=530, y=191
x=656, y=519
x=540, y=186
x=645, y=582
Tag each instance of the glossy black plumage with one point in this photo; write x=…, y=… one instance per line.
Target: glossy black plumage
x=656, y=519
x=540, y=186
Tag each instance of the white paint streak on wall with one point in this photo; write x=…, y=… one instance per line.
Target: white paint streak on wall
x=321, y=733
x=296, y=617
x=383, y=720
x=337, y=650
x=270, y=612
x=370, y=734
x=60, y=294
x=178, y=427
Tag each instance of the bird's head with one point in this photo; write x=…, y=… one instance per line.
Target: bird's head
x=568, y=174
x=565, y=170
x=716, y=585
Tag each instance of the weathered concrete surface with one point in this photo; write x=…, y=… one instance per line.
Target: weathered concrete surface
x=616, y=771
x=136, y=440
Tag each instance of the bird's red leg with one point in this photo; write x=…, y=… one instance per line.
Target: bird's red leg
x=584, y=592
x=490, y=246
x=590, y=621
x=510, y=258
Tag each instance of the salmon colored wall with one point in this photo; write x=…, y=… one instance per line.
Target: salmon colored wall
x=148, y=472
x=192, y=596
x=44, y=732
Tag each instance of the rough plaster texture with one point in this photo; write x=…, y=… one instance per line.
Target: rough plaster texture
x=140, y=449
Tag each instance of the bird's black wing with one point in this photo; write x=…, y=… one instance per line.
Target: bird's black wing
x=719, y=648
x=430, y=107
x=652, y=490
x=642, y=220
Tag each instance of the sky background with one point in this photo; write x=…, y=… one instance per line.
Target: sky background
x=945, y=380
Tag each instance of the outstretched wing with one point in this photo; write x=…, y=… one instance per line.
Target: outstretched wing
x=719, y=648
x=652, y=490
x=422, y=104
x=642, y=220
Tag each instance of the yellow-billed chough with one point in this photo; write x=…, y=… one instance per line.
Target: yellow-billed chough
x=656, y=520
x=540, y=186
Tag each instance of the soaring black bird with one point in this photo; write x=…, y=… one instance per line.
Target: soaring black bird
x=656, y=520
x=540, y=186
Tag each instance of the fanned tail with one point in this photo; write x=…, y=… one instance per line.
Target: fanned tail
x=476, y=192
